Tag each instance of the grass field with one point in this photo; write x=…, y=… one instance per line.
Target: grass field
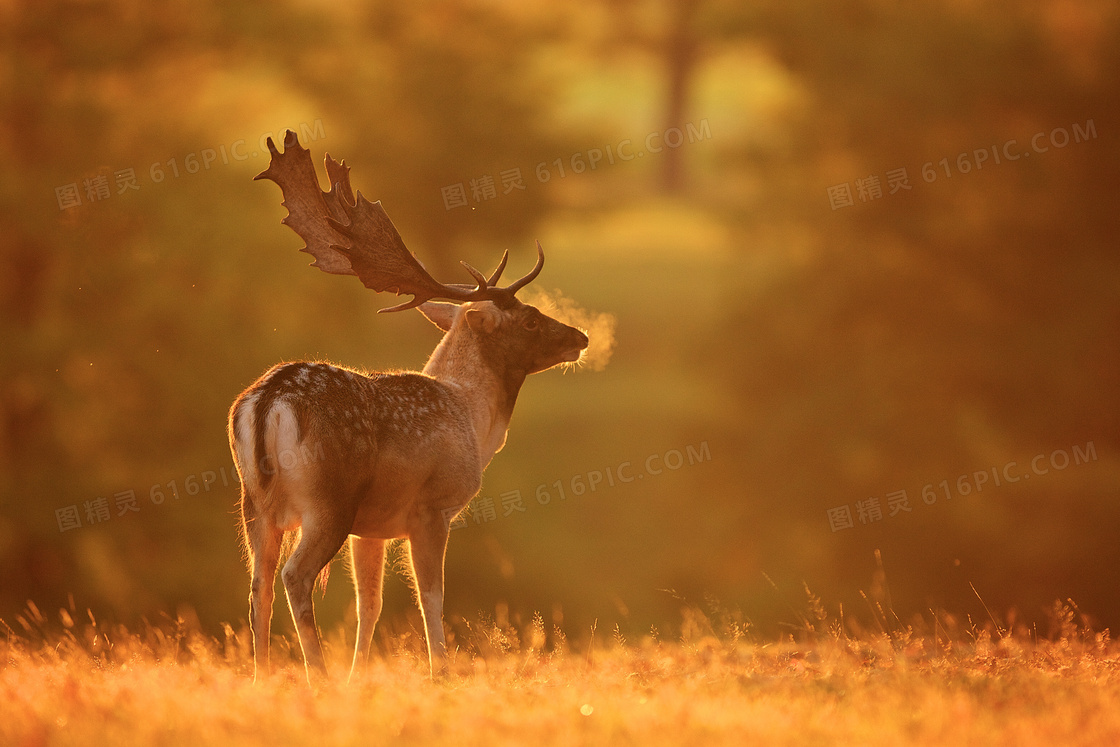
x=169, y=684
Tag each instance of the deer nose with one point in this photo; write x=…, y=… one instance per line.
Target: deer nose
x=583, y=341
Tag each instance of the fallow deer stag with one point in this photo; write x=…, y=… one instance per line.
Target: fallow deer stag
x=397, y=455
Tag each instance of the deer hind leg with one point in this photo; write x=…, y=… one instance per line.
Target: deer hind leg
x=427, y=547
x=367, y=560
x=263, y=541
x=317, y=546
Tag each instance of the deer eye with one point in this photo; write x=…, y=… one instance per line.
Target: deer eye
x=531, y=324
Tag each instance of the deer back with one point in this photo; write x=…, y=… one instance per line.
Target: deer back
x=369, y=445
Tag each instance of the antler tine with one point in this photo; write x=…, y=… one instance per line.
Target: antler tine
x=497, y=274
x=479, y=278
x=518, y=285
x=416, y=301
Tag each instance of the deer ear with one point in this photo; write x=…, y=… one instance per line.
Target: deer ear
x=483, y=317
x=440, y=314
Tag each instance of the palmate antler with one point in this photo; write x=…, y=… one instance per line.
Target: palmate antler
x=349, y=236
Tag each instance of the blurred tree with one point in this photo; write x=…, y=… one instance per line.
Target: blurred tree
x=681, y=35
x=446, y=113
x=964, y=322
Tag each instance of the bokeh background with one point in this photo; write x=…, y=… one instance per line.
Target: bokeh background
x=883, y=254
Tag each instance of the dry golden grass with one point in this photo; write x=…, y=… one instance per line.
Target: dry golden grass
x=85, y=685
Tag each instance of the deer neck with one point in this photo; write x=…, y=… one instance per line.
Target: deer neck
x=489, y=388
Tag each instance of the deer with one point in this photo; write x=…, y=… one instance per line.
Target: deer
x=398, y=454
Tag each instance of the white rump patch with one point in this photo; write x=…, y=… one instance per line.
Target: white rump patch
x=243, y=440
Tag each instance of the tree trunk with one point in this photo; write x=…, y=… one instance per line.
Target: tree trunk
x=680, y=60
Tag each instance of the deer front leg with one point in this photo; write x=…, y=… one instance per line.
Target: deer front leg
x=427, y=547
x=318, y=544
x=367, y=562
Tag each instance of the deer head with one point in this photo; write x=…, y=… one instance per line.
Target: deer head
x=349, y=235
